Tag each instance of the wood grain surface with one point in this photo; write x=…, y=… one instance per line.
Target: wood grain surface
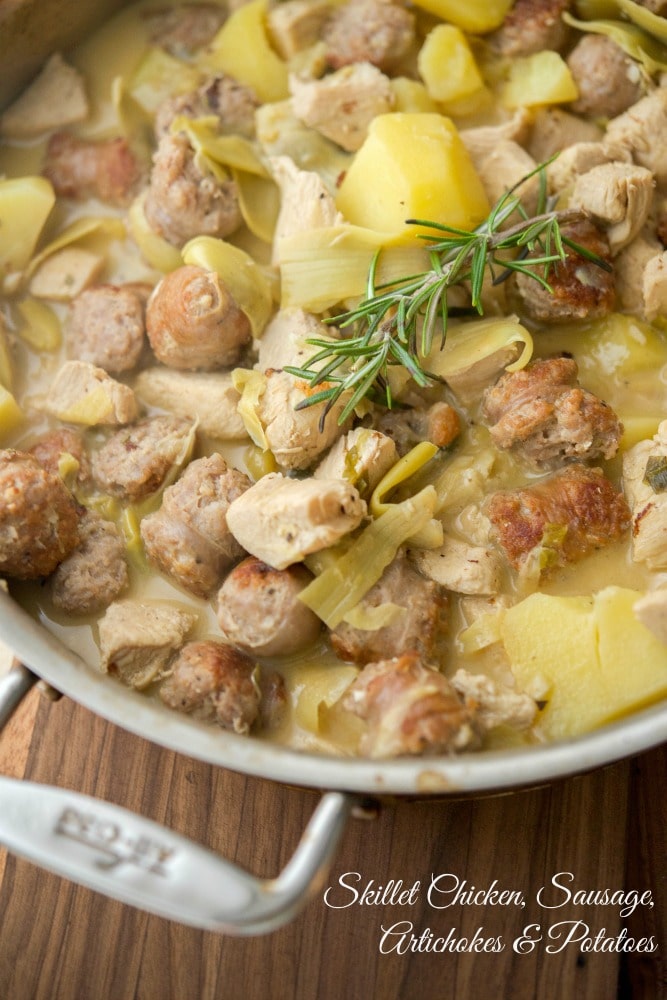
x=62, y=942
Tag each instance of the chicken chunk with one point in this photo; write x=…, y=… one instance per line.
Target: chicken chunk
x=630, y=268
x=206, y=397
x=295, y=25
x=136, y=460
x=182, y=202
x=497, y=705
x=531, y=26
x=193, y=322
x=543, y=413
x=79, y=168
x=55, y=98
x=461, y=567
x=643, y=483
x=215, y=683
x=188, y=538
x=580, y=288
x=578, y=159
x=569, y=514
x=106, y=327
x=481, y=140
x=137, y=640
x=420, y=618
x=651, y=611
x=618, y=197
x=504, y=167
x=39, y=518
x=607, y=79
x=185, y=27
x=259, y=611
x=95, y=573
x=305, y=202
x=654, y=287
x=342, y=105
x=294, y=435
x=410, y=710
x=642, y=130
x=285, y=339
x=281, y=520
x=362, y=457
x=81, y=393
x=554, y=129
x=232, y=103
x=369, y=31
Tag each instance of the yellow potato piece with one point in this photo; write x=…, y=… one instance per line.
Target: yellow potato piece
x=476, y=16
x=411, y=95
x=412, y=166
x=539, y=79
x=636, y=429
x=587, y=657
x=25, y=205
x=447, y=66
x=241, y=48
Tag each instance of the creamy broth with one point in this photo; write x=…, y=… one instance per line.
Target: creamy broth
x=633, y=380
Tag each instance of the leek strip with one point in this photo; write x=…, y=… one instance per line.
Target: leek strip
x=41, y=326
x=341, y=587
x=259, y=200
x=25, y=205
x=634, y=42
x=469, y=344
x=483, y=632
x=154, y=249
x=402, y=470
x=102, y=225
x=251, y=385
x=228, y=150
x=651, y=23
x=159, y=76
x=248, y=286
x=11, y=414
x=367, y=618
x=321, y=267
x=6, y=367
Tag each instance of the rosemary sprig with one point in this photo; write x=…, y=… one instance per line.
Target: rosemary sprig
x=396, y=323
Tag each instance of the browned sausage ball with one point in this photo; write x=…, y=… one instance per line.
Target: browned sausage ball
x=39, y=518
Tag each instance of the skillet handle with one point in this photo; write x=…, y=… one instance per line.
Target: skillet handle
x=127, y=857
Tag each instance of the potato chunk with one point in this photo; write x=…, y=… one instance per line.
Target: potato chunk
x=539, y=79
x=476, y=16
x=412, y=166
x=447, y=65
x=589, y=658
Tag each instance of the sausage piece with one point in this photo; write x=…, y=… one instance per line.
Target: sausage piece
x=259, y=610
x=607, y=79
x=193, y=322
x=531, y=26
x=369, y=31
x=580, y=288
x=136, y=459
x=188, y=538
x=50, y=448
x=417, y=626
x=79, y=168
x=572, y=512
x=215, y=683
x=106, y=327
x=39, y=518
x=543, y=413
x=410, y=710
x=233, y=104
x=95, y=573
x=182, y=202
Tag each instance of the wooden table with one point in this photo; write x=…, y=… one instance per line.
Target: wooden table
x=60, y=942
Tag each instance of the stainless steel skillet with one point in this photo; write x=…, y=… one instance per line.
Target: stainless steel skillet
x=134, y=860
